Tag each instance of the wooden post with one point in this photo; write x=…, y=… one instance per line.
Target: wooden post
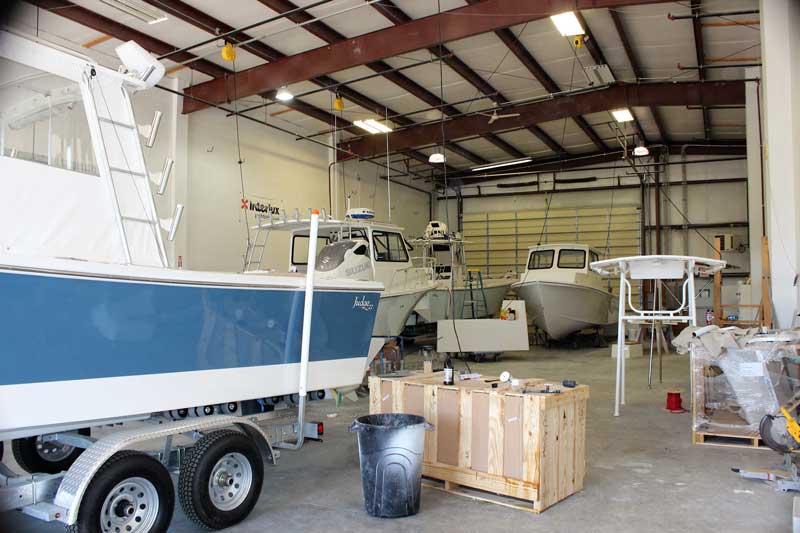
x=766, y=284
x=718, y=283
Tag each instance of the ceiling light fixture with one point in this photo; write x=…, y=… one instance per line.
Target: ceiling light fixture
x=641, y=150
x=436, y=157
x=138, y=10
x=622, y=115
x=502, y=164
x=599, y=74
x=283, y=94
x=372, y=126
x=567, y=24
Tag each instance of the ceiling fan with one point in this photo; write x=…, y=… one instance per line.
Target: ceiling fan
x=494, y=117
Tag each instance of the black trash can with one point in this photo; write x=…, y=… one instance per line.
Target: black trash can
x=390, y=449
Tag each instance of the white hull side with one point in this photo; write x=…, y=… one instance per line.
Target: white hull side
x=563, y=308
x=46, y=403
x=434, y=305
x=394, y=310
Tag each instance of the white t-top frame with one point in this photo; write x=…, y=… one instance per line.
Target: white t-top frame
x=654, y=267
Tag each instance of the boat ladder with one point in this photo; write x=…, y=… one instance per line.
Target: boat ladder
x=474, y=295
x=254, y=254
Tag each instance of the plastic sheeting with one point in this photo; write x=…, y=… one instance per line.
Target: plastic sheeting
x=738, y=378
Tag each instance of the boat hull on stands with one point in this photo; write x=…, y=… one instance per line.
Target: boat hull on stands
x=436, y=304
x=394, y=309
x=560, y=309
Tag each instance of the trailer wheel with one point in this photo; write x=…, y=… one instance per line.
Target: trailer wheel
x=131, y=493
x=220, y=479
x=37, y=457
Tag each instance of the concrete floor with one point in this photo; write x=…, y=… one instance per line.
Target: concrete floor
x=642, y=471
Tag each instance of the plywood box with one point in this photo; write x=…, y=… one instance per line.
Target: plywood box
x=632, y=349
x=514, y=441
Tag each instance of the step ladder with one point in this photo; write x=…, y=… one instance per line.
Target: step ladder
x=474, y=295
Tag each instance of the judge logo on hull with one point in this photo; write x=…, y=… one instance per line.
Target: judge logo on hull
x=362, y=303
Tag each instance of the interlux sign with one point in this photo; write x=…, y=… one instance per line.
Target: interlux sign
x=258, y=207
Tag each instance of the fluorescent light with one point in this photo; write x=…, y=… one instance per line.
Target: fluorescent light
x=283, y=94
x=364, y=126
x=600, y=74
x=137, y=9
x=383, y=128
x=372, y=126
x=503, y=164
x=622, y=115
x=436, y=157
x=567, y=24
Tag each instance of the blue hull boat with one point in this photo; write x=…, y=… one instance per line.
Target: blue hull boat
x=113, y=333
x=112, y=341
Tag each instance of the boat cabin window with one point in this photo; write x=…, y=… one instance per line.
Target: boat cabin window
x=592, y=257
x=44, y=120
x=571, y=259
x=300, y=248
x=389, y=247
x=541, y=259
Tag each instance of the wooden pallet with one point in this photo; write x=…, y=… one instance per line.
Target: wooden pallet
x=730, y=440
x=480, y=495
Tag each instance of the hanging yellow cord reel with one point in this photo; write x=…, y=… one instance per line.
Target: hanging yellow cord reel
x=228, y=52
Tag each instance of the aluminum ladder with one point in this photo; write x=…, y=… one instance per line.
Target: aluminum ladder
x=254, y=254
x=474, y=295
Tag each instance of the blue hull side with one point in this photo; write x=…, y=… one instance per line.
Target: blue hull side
x=71, y=328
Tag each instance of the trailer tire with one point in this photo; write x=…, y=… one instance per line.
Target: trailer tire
x=32, y=457
x=232, y=459
x=126, y=489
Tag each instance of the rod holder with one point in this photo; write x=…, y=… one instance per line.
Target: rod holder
x=176, y=220
x=151, y=137
x=165, y=172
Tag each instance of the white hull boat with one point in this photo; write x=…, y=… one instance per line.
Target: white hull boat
x=435, y=305
x=561, y=294
x=563, y=308
x=443, y=255
x=360, y=249
x=394, y=308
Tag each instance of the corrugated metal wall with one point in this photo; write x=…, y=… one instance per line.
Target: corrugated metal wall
x=498, y=242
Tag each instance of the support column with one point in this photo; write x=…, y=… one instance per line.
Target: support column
x=181, y=177
x=755, y=212
x=781, y=125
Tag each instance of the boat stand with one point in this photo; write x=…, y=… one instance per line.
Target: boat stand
x=656, y=268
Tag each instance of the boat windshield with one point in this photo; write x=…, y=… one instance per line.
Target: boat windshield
x=300, y=248
x=541, y=259
x=389, y=246
x=43, y=119
x=568, y=258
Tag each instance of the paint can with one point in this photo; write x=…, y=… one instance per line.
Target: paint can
x=674, y=402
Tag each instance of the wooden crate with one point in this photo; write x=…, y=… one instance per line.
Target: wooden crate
x=525, y=445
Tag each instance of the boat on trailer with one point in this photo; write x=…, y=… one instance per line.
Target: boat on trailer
x=562, y=294
x=356, y=248
x=97, y=329
x=443, y=255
